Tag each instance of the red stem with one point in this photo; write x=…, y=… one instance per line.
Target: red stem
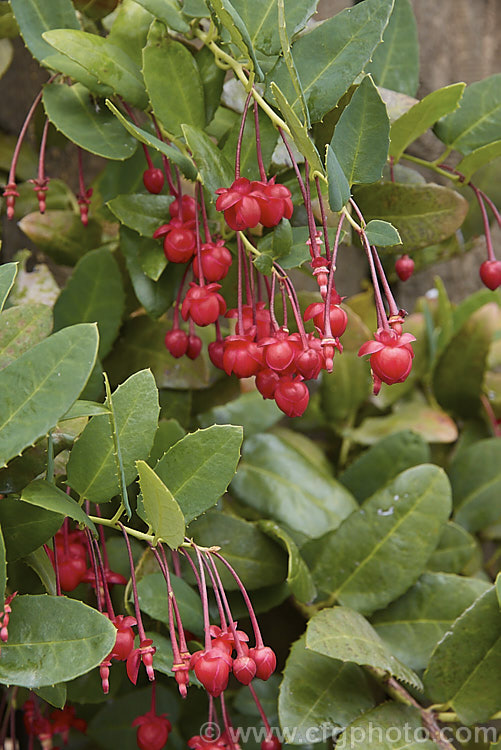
x=241, y=135
x=262, y=170
x=248, y=603
x=324, y=219
x=140, y=628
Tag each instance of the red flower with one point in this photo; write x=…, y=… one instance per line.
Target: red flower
x=212, y=669
x=391, y=356
x=404, y=267
x=240, y=204
x=153, y=180
x=490, y=273
x=242, y=356
x=291, y=396
x=275, y=202
x=142, y=654
x=153, y=731
x=203, y=304
x=265, y=660
x=176, y=342
x=216, y=261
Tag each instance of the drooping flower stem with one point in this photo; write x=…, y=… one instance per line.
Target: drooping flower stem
x=140, y=628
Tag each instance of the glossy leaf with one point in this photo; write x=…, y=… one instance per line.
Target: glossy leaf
x=129, y=29
x=215, y=170
x=343, y=394
x=299, y=131
x=21, y=328
x=61, y=234
x=257, y=560
x=171, y=75
x=24, y=527
x=361, y=136
x=380, y=550
x=317, y=690
x=454, y=551
x=414, y=624
x=82, y=408
x=155, y=296
x=67, y=637
x=464, y=667
x=73, y=112
x=383, y=461
x=250, y=410
x=422, y=116
x=477, y=121
x=46, y=495
x=39, y=561
x=325, y=75
x=238, y=32
x=40, y=386
x=386, y=727
x=62, y=64
x=33, y=20
x=432, y=424
x=92, y=465
x=53, y=694
x=153, y=599
x=476, y=481
x=298, y=576
x=478, y=159
x=261, y=19
x=140, y=212
x=395, y=62
x=382, y=233
x=422, y=214
x=168, y=434
x=212, y=78
x=93, y=294
x=162, y=511
x=199, y=468
x=344, y=634
x=182, y=161
x=459, y=370
x=8, y=273
x=106, y=61
x=276, y=480
x=339, y=188
x=168, y=11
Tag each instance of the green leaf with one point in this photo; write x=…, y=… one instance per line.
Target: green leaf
x=171, y=75
x=142, y=344
x=53, y=639
x=8, y=273
x=257, y=560
x=21, y=328
x=458, y=372
x=382, y=233
x=195, y=9
x=478, y=158
x=299, y=131
x=153, y=599
x=342, y=394
x=432, y=424
x=422, y=116
x=455, y=549
x=261, y=20
x=168, y=434
x=317, y=690
x=168, y=11
x=325, y=75
x=72, y=111
x=212, y=78
x=61, y=234
x=162, y=511
x=237, y=29
x=422, y=214
x=93, y=294
x=140, y=212
x=250, y=410
x=92, y=466
x=339, y=188
x=385, y=728
x=182, y=161
x=83, y=408
x=129, y=29
x=53, y=694
x=25, y=528
x=40, y=386
x=289, y=61
x=414, y=624
x=298, y=576
x=344, y=634
x=380, y=550
x=34, y=19
x=383, y=462
x=40, y=562
x=199, y=468
x=475, y=478
x=106, y=61
x=215, y=170
x=361, y=136
x=478, y=119
x=46, y=495
x=71, y=69
x=464, y=667
x=280, y=483
x=395, y=62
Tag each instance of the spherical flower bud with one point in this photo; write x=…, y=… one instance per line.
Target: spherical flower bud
x=216, y=261
x=265, y=660
x=266, y=382
x=242, y=356
x=153, y=180
x=194, y=346
x=244, y=669
x=338, y=317
x=153, y=731
x=291, y=396
x=176, y=342
x=189, y=206
x=124, y=642
x=212, y=669
x=203, y=304
x=490, y=273
x=271, y=743
x=275, y=202
x=216, y=353
x=279, y=351
x=404, y=267
x=391, y=356
x=179, y=243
